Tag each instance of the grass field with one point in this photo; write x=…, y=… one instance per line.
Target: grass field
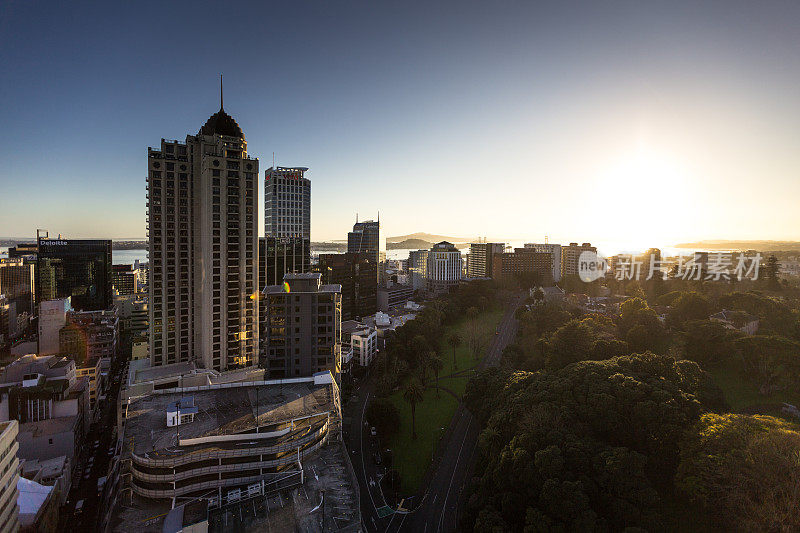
x=412, y=456
x=486, y=325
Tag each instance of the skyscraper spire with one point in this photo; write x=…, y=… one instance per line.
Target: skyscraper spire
x=220, y=93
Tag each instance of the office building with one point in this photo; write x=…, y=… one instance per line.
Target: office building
x=555, y=251
x=9, y=477
x=287, y=203
x=393, y=296
x=17, y=283
x=357, y=275
x=367, y=238
x=479, y=263
x=301, y=331
x=52, y=317
x=124, y=279
x=132, y=310
x=28, y=249
x=75, y=268
x=417, y=269
x=282, y=255
x=364, y=344
x=203, y=242
x=525, y=265
x=444, y=268
x=570, y=255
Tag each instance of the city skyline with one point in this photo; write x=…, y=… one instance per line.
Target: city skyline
x=663, y=124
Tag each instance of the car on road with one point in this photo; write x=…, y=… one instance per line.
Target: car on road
x=377, y=458
x=79, y=507
x=373, y=431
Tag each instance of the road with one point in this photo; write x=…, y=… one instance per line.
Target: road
x=438, y=508
x=93, y=461
x=438, y=511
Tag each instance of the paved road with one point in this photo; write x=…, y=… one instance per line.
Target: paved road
x=439, y=508
x=93, y=461
x=362, y=447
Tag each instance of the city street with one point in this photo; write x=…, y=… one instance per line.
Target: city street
x=439, y=505
x=93, y=461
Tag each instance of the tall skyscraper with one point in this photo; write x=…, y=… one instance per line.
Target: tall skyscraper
x=203, y=239
x=287, y=203
x=17, y=283
x=76, y=268
x=366, y=237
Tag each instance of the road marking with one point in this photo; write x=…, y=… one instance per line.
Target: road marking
x=363, y=465
x=455, y=468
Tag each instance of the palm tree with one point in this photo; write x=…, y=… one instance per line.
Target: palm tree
x=436, y=364
x=413, y=395
x=454, y=340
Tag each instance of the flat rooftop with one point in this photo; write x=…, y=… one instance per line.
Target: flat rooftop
x=221, y=410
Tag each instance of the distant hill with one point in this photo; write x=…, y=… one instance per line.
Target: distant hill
x=408, y=244
x=428, y=238
x=769, y=246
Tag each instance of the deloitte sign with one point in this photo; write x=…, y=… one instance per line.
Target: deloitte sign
x=591, y=266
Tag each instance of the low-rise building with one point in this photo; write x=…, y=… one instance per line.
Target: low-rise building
x=395, y=295
x=739, y=320
x=52, y=317
x=364, y=344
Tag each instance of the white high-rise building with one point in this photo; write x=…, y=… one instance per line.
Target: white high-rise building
x=443, y=268
x=287, y=202
x=555, y=251
x=203, y=239
x=52, y=317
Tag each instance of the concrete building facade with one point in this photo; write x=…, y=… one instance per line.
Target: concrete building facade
x=203, y=242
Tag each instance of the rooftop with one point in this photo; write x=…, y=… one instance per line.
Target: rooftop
x=221, y=410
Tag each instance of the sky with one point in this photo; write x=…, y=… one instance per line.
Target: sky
x=637, y=122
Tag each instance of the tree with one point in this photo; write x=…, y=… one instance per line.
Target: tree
x=454, y=340
x=538, y=295
x=689, y=306
x=708, y=342
x=436, y=364
x=413, y=394
x=383, y=414
x=570, y=343
x=744, y=471
x=590, y=446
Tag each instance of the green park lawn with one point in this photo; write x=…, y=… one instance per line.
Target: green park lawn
x=412, y=456
x=486, y=325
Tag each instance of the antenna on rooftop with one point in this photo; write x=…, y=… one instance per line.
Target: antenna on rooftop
x=546, y=239
x=220, y=92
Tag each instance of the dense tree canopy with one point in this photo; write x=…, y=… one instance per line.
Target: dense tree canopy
x=588, y=446
x=744, y=470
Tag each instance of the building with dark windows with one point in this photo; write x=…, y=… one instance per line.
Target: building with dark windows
x=417, y=269
x=367, y=238
x=27, y=249
x=525, y=265
x=203, y=242
x=302, y=325
x=356, y=273
x=281, y=255
x=17, y=283
x=124, y=279
x=480, y=258
x=75, y=268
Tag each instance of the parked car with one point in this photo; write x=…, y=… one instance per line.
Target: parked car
x=79, y=507
x=373, y=431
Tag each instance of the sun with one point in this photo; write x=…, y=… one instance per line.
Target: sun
x=647, y=192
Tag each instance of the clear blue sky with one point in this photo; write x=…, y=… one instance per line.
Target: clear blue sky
x=584, y=121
